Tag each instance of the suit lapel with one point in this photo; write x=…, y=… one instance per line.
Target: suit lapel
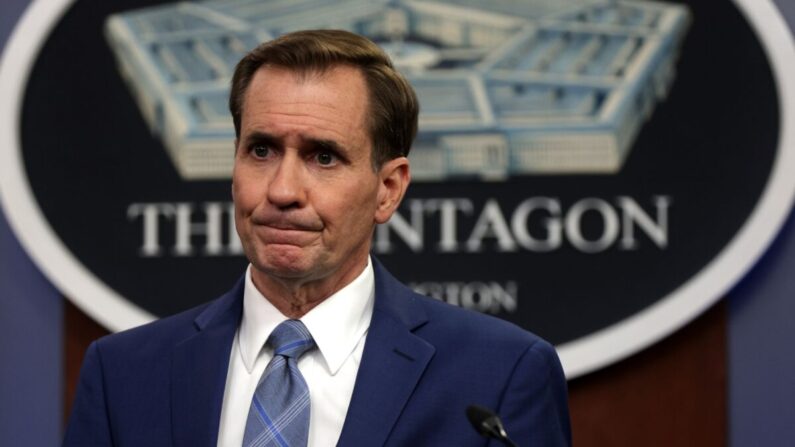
x=392, y=364
x=198, y=372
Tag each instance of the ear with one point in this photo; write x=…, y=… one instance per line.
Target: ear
x=234, y=166
x=394, y=178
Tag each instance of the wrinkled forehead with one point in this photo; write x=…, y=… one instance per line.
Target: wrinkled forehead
x=356, y=88
x=336, y=84
x=333, y=104
x=341, y=86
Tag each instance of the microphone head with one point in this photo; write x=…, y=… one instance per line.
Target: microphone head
x=485, y=422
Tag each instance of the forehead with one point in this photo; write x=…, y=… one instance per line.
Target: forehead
x=332, y=99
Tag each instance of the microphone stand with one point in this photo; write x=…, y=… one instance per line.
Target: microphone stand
x=488, y=424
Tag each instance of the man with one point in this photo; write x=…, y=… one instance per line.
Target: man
x=318, y=344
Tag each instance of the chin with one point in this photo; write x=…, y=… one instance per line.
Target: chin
x=284, y=271
x=280, y=266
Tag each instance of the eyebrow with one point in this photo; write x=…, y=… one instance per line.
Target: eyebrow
x=327, y=145
x=315, y=143
x=261, y=137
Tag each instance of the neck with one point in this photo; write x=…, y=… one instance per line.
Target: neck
x=295, y=298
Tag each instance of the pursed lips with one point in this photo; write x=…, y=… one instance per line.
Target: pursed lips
x=289, y=233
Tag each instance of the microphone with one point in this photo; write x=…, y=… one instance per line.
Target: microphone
x=488, y=424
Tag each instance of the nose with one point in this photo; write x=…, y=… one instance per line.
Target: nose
x=286, y=188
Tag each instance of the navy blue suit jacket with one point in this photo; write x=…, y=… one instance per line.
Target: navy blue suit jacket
x=424, y=362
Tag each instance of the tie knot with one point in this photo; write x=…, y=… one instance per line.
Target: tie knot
x=291, y=339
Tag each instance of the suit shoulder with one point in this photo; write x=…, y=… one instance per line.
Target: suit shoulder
x=491, y=350
x=443, y=318
x=154, y=336
x=169, y=331
x=471, y=326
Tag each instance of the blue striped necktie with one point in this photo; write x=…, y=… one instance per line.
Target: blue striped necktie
x=279, y=412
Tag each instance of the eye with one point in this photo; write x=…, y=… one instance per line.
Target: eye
x=325, y=158
x=260, y=150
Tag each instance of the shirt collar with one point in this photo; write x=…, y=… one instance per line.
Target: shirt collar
x=337, y=324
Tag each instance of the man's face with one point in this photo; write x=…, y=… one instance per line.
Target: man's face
x=306, y=194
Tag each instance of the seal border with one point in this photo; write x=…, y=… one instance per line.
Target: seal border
x=581, y=356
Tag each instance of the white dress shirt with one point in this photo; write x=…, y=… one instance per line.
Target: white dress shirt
x=339, y=326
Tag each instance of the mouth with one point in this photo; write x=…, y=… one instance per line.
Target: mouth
x=285, y=226
x=287, y=222
x=281, y=234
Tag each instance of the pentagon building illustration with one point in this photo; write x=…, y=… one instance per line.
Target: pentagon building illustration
x=520, y=88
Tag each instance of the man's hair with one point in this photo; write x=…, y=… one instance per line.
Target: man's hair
x=392, y=102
